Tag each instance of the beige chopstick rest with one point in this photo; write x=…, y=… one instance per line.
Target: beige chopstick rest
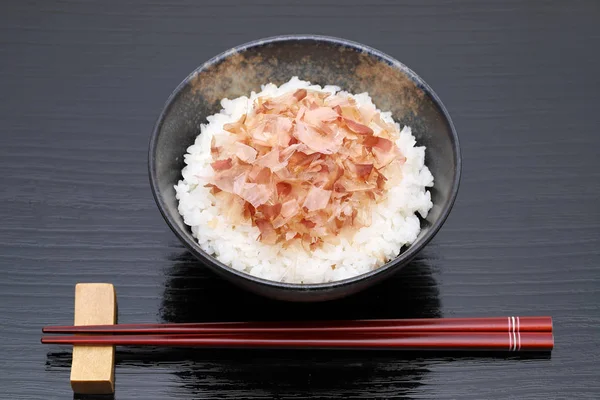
x=93, y=367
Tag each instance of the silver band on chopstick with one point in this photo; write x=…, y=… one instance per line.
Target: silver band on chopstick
x=514, y=334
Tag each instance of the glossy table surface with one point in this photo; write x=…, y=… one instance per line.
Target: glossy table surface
x=82, y=84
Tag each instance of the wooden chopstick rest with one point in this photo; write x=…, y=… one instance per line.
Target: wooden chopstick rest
x=92, y=369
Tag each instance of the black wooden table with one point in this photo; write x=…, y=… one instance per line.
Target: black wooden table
x=81, y=85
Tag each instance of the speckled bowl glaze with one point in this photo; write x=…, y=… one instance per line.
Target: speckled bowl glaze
x=324, y=61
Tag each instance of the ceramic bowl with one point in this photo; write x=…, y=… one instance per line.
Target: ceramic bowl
x=325, y=61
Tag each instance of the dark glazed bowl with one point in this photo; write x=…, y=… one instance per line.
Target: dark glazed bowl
x=324, y=61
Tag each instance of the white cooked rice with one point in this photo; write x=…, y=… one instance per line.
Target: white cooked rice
x=394, y=220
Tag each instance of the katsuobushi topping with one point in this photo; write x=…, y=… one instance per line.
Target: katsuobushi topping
x=307, y=165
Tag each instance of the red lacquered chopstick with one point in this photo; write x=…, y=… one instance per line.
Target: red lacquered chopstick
x=494, y=324
x=484, y=341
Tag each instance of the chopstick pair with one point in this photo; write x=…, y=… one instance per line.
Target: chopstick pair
x=495, y=334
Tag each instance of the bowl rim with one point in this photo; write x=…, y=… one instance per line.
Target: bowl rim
x=217, y=265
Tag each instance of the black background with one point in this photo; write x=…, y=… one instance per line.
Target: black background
x=81, y=85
